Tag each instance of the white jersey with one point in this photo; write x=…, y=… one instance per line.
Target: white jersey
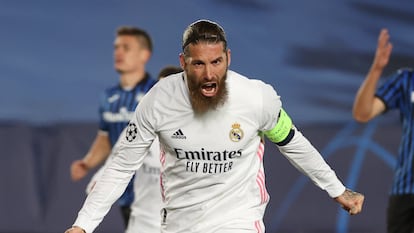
x=211, y=165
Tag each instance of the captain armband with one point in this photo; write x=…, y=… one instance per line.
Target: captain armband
x=283, y=131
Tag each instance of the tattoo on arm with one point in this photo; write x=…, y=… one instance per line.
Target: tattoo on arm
x=350, y=195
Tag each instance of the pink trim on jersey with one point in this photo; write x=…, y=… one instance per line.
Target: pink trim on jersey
x=260, y=179
x=162, y=160
x=258, y=226
x=262, y=187
x=260, y=151
x=162, y=156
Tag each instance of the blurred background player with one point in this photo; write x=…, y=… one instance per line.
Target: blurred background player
x=395, y=93
x=132, y=51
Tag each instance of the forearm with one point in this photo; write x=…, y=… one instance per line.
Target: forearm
x=106, y=191
x=363, y=109
x=304, y=156
x=98, y=153
x=93, y=158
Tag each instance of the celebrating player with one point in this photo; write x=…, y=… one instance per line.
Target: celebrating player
x=209, y=121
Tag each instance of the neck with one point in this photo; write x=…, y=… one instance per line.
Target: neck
x=131, y=79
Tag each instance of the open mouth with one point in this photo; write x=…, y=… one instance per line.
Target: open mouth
x=209, y=89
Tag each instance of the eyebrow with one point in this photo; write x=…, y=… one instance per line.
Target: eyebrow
x=194, y=61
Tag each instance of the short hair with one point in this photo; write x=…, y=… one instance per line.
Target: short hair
x=142, y=36
x=203, y=30
x=168, y=70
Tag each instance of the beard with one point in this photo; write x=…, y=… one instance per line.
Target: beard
x=202, y=104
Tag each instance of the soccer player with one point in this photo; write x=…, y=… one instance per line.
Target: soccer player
x=396, y=92
x=132, y=51
x=209, y=121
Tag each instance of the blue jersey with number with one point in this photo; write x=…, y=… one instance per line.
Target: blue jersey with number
x=398, y=93
x=116, y=108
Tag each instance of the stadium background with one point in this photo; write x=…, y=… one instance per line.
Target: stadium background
x=56, y=58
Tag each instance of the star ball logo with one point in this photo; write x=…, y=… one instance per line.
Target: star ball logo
x=131, y=132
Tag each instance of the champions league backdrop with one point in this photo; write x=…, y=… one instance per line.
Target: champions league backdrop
x=56, y=59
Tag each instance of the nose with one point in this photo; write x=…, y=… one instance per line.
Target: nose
x=208, y=73
x=117, y=53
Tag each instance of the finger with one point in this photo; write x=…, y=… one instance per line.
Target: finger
x=357, y=208
x=384, y=36
x=353, y=210
x=360, y=202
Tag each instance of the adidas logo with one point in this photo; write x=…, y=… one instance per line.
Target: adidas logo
x=178, y=135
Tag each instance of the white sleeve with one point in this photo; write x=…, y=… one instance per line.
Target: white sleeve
x=304, y=156
x=129, y=153
x=271, y=105
x=299, y=151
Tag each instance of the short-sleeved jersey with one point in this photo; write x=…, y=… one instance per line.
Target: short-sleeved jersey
x=212, y=173
x=397, y=92
x=116, y=108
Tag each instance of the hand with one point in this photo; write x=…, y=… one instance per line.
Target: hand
x=75, y=229
x=384, y=49
x=78, y=170
x=351, y=201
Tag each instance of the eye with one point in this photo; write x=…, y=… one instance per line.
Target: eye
x=217, y=61
x=198, y=64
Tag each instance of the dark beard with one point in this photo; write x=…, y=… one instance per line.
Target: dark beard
x=202, y=104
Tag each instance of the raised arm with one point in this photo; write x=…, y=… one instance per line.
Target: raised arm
x=366, y=105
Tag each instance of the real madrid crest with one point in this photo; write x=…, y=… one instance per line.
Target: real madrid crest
x=236, y=133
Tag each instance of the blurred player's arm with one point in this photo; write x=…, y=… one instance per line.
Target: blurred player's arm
x=366, y=105
x=98, y=152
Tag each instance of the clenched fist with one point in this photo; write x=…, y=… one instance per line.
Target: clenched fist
x=351, y=201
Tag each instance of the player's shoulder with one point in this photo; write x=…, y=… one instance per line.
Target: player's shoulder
x=243, y=78
x=405, y=71
x=170, y=82
x=149, y=81
x=398, y=77
x=242, y=82
x=167, y=88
